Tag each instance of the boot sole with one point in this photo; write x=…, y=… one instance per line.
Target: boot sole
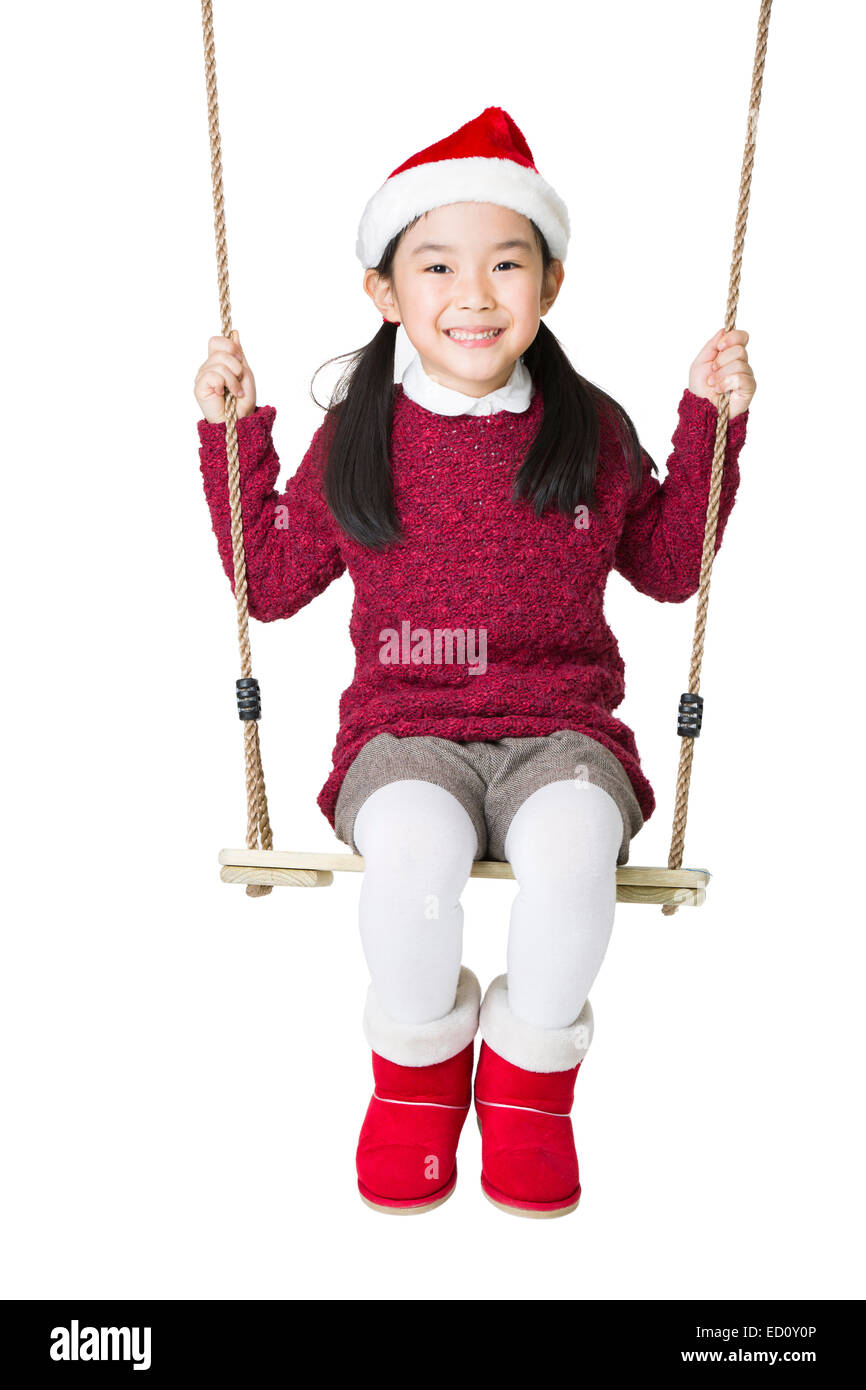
x=411, y=1209
x=528, y=1211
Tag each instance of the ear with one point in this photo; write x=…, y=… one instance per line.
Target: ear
x=381, y=293
x=553, y=279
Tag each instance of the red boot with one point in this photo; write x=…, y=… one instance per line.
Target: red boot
x=407, y=1151
x=524, y=1089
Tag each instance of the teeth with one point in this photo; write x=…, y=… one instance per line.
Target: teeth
x=471, y=337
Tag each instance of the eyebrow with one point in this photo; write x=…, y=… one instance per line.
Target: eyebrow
x=516, y=243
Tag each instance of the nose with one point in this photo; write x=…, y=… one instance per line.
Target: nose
x=475, y=292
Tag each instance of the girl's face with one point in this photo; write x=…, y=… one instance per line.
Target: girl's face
x=472, y=266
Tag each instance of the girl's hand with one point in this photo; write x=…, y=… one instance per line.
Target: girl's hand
x=225, y=367
x=722, y=365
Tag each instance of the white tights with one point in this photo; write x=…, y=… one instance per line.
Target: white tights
x=418, y=844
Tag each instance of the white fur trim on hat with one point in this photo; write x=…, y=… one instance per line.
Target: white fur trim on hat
x=526, y=1045
x=424, y=1044
x=405, y=196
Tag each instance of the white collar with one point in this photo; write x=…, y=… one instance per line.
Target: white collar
x=515, y=395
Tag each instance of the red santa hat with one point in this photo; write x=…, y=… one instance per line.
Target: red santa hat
x=485, y=161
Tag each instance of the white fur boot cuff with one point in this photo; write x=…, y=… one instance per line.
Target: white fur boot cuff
x=524, y=1044
x=424, y=1044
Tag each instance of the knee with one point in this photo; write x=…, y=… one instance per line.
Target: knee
x=412, y=829
x=566, y=830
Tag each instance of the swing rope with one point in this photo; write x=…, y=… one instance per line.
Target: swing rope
x=259, y=831
x=687, y=746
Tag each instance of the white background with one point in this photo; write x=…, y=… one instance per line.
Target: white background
x=184, y=1072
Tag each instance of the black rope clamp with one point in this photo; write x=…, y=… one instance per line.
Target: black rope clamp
x=690, y=715
x=249, y=698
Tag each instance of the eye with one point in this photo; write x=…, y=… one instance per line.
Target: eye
x=444, y=267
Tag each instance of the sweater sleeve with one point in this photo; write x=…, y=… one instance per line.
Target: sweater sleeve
x=662, y=538
x=290, y=538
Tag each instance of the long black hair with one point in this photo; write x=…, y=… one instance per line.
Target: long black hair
x=560, y=466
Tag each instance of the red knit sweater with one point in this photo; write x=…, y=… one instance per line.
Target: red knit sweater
x=473, y=559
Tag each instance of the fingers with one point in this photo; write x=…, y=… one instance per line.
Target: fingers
x=731, y=366
x=229, y=345
x=722, y=341
x=226, y=358
x=733, y=381
x=223, y=366
x=737, y=376
x=740, y=382
x=708, y=351
x=236, y=345
x=722, y=368
x=731, y=354
x=209, y=383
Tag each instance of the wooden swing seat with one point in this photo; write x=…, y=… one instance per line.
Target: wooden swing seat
x=309, y=869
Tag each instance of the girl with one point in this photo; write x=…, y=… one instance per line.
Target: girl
x=479, y=506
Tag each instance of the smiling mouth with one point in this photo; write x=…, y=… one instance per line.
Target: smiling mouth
x=457, y=335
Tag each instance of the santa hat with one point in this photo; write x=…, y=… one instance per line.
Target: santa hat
x=485, y=161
